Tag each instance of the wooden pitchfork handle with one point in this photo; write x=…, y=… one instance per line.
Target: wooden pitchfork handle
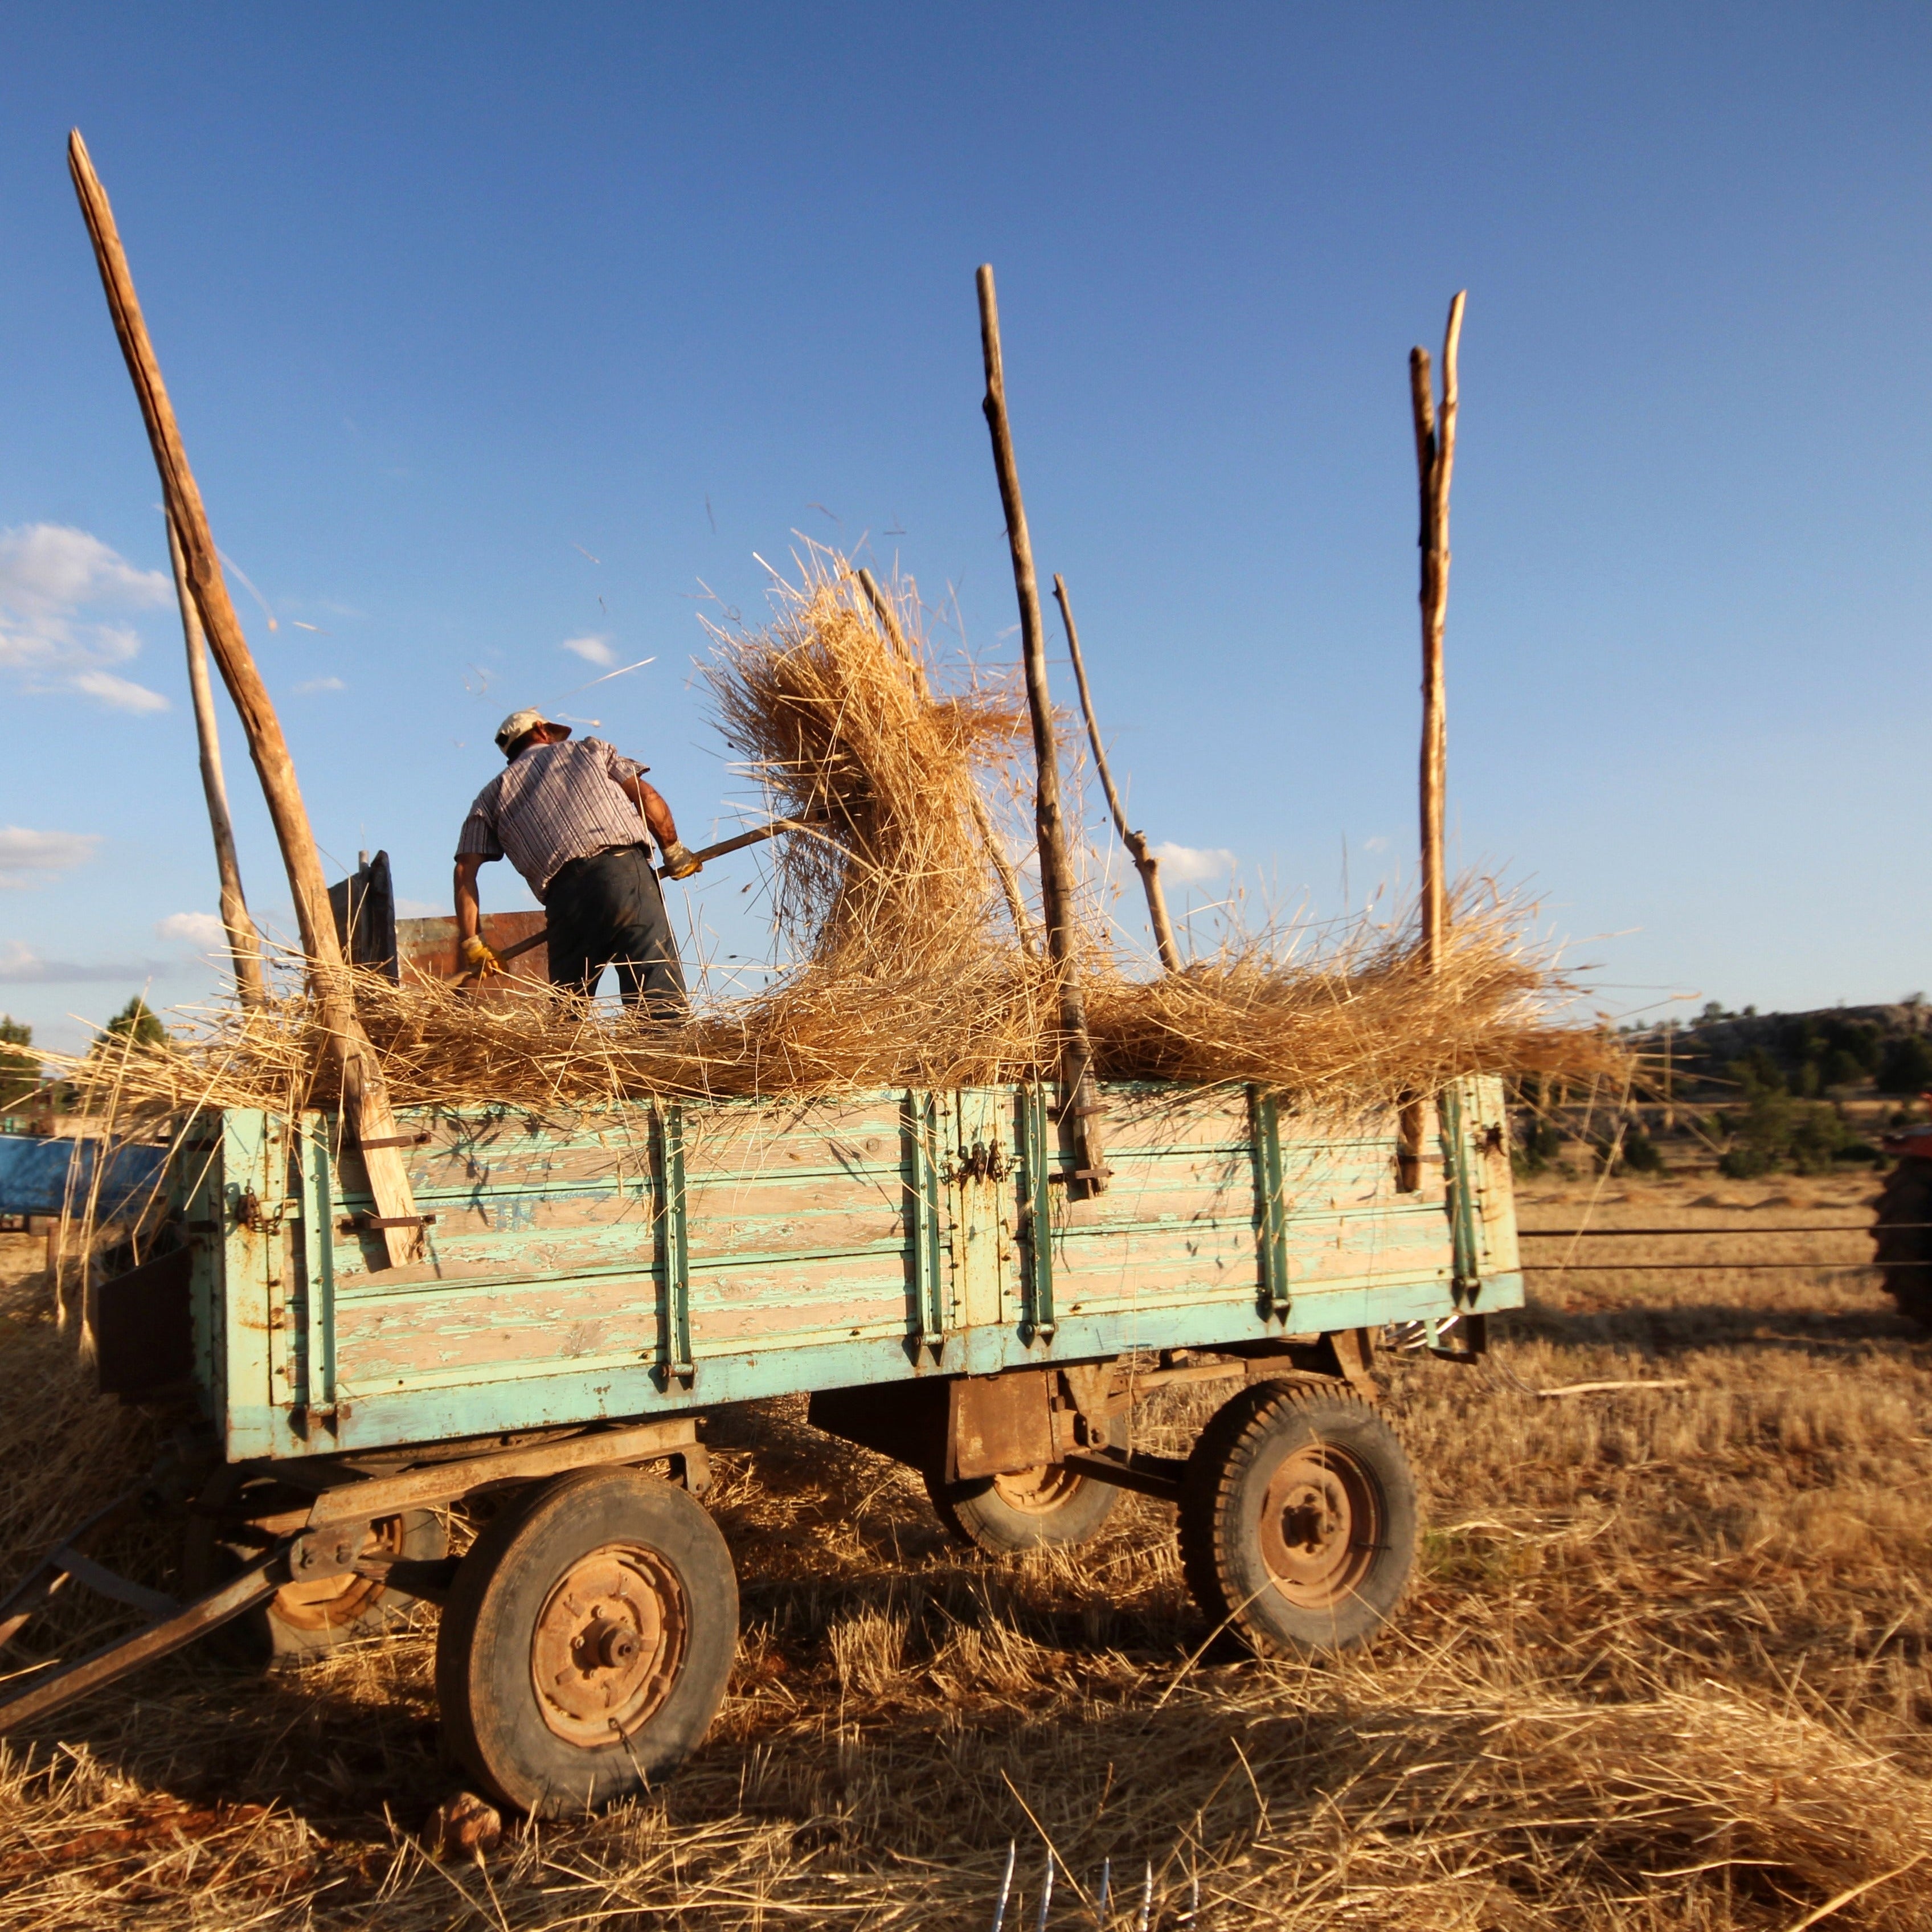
x=704, y=857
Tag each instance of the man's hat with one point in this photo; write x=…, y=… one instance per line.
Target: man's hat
x=519, y=724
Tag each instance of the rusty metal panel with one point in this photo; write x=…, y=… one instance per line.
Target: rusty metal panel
x=144, y=1326
x=1000, y=1423
x=426, y=948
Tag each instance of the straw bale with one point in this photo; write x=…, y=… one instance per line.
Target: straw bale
x=906, y=968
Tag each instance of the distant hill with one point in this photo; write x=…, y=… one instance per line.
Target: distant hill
x=1884, y=1049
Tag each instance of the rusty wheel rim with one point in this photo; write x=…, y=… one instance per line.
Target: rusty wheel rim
x=608, y=1644
x=1038, y=1491
x=1321, y=1525
x=330, y=1602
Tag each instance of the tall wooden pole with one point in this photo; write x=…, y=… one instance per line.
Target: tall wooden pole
x=353, y=1061
x=1145, y=863
x=1079, y=1100
x=1436, y=463
x=244, y=943
x=982, y=821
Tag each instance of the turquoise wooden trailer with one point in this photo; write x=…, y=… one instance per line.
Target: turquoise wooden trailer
x=926, y=1267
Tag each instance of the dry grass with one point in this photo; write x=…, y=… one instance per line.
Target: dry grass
x=1664, y=1665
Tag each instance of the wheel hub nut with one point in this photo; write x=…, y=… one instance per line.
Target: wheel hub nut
x=606, y=1644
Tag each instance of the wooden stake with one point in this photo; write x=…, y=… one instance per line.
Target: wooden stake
x=365, y=1097
x=996, y=852
x=244, y=943
x=1145, y=863
x=1078, y=1099
x=1436, y=463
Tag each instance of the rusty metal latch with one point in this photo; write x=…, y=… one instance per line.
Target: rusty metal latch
x=982, y=1163
x=257, y=1215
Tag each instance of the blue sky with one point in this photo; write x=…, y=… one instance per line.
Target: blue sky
x=493, y=329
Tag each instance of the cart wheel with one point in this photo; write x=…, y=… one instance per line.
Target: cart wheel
x=302, y=1620
x=1298, y=1518
x=587, y=1641
x=1050, y=1508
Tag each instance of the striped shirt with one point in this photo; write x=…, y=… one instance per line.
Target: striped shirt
x=553, y=803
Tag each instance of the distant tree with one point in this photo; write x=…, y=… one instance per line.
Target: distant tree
x=1757, y=1071
x=1905, y=1067
x=136, y=1020
x=1844, y=1068
x=19, y=1070
x=1536, y=1146
x=1637, y=1152
x=1773, y=1130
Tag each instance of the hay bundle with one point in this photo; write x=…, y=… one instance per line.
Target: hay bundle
x=840, y=723
x=907, y=969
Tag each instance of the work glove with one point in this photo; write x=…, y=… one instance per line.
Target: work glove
x=680, y=861
x=478, y=958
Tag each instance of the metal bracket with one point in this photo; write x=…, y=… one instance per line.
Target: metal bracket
x=1147, y=1475
x=1458, y=1173
x=675, y=1365
x=331, y=1551
x=1475, y=1326
x=1271, y=1208
x=919, y=1125
x=1038, y=1232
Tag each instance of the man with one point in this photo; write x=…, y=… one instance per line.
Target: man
x=571, y=818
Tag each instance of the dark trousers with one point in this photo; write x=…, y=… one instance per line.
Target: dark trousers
x=607, y=910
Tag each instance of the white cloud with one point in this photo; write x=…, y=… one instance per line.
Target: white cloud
x=1188, y=865
x=46, y=565
x=23, y=853
x=421, y=909
x=310, y=685
x=20, y=965
x=591, y=650
x=202, y=930
x=1375, y=844
x=51, y=576
x=119, y=694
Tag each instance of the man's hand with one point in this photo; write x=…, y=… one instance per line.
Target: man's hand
x=477, y=956
x=680, y=861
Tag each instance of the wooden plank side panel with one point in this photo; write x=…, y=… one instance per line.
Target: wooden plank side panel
x=1177, y=1226
x=546, y=1270
x=1486, y=1116
x=796, y=1233
x=798, y=1223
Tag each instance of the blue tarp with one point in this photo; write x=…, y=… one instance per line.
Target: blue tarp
x=33, y=1172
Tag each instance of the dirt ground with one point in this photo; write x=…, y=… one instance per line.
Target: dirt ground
x=1663, y=1664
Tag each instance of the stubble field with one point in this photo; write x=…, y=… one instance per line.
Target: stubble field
x=1663, y=1664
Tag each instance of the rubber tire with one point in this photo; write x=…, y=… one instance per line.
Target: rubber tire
x=262, y=1636
x=492, y=1724
x=1906, y=1196
x=1228, y=1474
x=975, y=1512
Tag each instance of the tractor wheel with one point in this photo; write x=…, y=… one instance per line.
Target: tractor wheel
x=1904, y=1251
x=587, y=1641
x=1298, y=1518
x=1050, y=1508
x=303, y=1621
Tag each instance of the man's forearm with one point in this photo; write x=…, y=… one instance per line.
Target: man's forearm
x=469, y=909
x=657, y=814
